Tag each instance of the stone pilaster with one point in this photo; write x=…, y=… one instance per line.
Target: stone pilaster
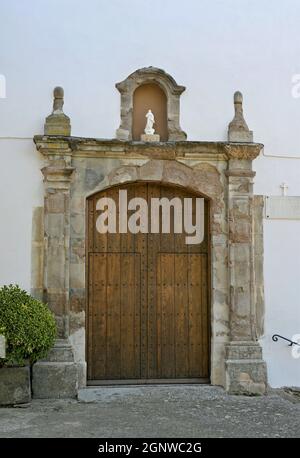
x=57, y=243
x=57, y=375
x=245, y=369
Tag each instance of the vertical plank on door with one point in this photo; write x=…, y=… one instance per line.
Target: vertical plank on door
x=205, y=316
x=181, y=315
x=99, y=312
x=153, y=330
x=167, y=315
x=195, y=318
x=113, y=316
x=141, y=246
x=130, y=367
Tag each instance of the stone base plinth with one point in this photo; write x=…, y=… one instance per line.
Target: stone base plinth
x=57, y=124
x=150, y=138
x=57, y=376
x=245, y=369
x=240, y=136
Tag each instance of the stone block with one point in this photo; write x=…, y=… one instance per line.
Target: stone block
x=57, y=124
x=81, y=373
x=152, y=171
x=56, y=376
x=240, y=136
x=54, y=380
x=15, y=385
x=55, y=203
x=92, y=178
x=246, y=371
x=122, y=134
x=87, y=395
x=150, y=138
x=243, y=351
x=246, y=377
x=177, y=174
x=61, y=352
x=77, y=275
x=122, y=175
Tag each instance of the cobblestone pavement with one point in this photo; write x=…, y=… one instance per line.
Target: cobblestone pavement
x=156, y=411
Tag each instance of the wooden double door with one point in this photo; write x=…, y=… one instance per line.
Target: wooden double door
x=147, y=314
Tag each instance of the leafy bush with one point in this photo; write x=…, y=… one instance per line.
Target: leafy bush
x=27, y=324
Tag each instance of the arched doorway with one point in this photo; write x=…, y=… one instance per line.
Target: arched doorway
x=145, y=97
x=148, y=298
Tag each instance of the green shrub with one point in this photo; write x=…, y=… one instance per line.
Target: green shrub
x=27, y=324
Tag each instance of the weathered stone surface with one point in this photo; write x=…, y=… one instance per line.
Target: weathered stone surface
x=54, y=380
x=122, y=175
x=57, y=123
x=81, y=374
x=57, y=375
x=150, y=138
x=245, y=369
x=77, y=225
x=14, y=385
x=87, y=395
x=152, y=170
x=2, y=346
x=246, y=377
x=238, y=130
x=177, y=173
x=77, y=299
x=77, y=275
x=240, y=151
x=37, y=253
x=208, y=180
x=77, y=250
x=244, y=350
x=92, y=178
x=258, y=204
x=61, y=352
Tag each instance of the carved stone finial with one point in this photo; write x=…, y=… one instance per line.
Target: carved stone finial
x=238, y=131
x=58, y=101
x=58, y=123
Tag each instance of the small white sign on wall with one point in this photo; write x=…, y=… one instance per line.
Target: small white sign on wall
x=282, y=207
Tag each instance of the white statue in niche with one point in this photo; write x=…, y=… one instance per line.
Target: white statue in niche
x=149, y=125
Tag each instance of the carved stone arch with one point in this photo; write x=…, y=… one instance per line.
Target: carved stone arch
x=150, y=75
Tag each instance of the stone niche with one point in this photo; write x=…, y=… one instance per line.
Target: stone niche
x=76, y=168
x=155, y=86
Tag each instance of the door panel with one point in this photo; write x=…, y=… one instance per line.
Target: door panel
x=148, y=315
x=114, y=294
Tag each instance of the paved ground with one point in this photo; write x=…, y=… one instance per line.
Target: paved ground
x=156, y=411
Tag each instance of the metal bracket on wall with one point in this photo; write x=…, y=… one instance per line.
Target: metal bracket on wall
x=275, y=338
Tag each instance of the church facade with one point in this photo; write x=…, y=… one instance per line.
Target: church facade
x=142, y=149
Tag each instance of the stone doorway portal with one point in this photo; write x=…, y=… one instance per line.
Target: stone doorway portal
x=230, y=268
